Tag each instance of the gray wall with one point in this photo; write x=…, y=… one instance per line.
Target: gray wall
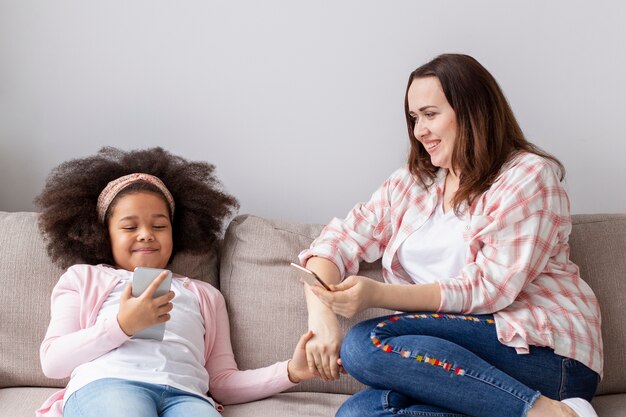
x=299, y=104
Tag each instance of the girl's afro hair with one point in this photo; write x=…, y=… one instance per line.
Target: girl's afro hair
x=69, y=221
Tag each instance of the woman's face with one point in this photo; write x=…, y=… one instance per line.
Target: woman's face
x=435, y=120
x=140, y=231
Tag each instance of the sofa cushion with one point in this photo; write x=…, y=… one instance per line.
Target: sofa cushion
x=22, y=402
x=265, y=297
x=291, y=404
x=27, y=277
x=598, y=247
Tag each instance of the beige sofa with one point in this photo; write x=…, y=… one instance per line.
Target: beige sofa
x=267, y=310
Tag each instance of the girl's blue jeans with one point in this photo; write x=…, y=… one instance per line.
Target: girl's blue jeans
x=445, y=365
x=121, y=398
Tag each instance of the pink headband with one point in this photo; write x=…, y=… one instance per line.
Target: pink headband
x=114, y=187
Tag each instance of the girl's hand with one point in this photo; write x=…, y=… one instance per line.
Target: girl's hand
x=297, y=367
x=138, y=313
x=355, y=294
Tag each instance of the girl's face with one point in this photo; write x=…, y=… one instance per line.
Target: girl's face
x=435, y=120
x=140, y=231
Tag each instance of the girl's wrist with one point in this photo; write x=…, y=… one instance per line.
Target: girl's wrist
x=122, y=327
x=291, y=373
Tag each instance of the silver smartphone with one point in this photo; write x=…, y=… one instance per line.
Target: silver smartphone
x=310, y=277
x=142, y=278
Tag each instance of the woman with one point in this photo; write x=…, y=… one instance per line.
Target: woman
x=478, y=223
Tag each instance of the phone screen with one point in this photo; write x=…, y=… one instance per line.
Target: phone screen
x=142, y=278
x=310, y=277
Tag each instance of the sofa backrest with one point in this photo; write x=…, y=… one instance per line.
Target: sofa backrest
x=268, y=313
x=264, y=297
x=598, y=247
x=27, y=277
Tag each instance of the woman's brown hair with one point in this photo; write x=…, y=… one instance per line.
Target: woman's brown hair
x=488, y=134
x=68, y=217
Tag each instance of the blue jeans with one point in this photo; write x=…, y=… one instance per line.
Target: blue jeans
x=121, y=398
x=449, y=365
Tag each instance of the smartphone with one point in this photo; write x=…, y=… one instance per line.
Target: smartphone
x=142, y=278
x=309, y=276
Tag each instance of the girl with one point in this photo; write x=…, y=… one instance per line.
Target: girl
x=478, y=224
x=107, y=215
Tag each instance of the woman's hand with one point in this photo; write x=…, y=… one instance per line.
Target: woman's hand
x=355, y=294
x=138, y=313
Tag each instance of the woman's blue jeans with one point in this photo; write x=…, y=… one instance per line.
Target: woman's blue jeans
x=444, y=365
x=121, y=398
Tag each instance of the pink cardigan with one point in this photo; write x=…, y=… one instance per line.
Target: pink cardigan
x=74, y=337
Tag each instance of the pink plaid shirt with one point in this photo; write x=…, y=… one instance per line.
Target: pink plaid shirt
x=517, y=265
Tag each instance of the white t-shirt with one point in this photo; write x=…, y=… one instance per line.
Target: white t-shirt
x=436, y=250
x=177, y=361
